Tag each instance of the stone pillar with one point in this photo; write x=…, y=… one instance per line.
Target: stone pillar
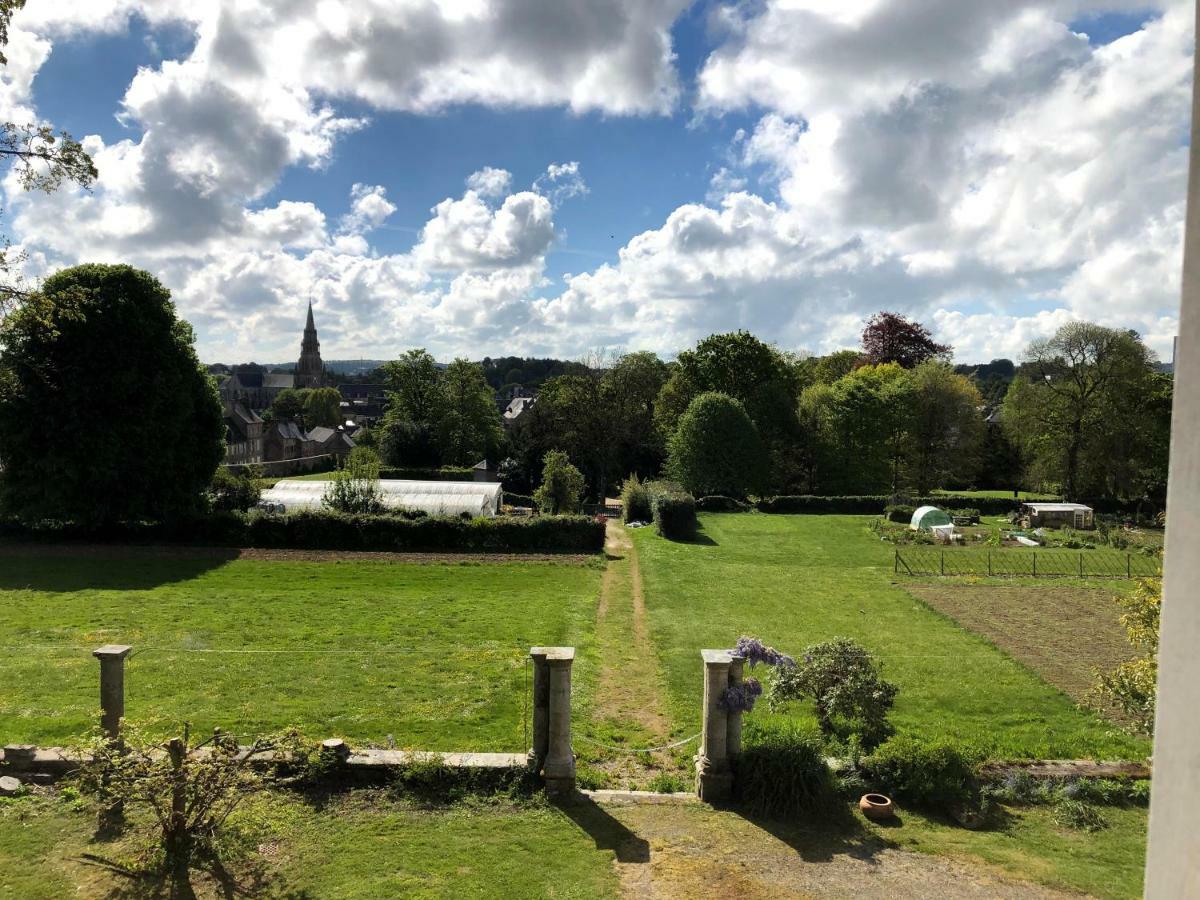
x=733, y=734
x=714, y=778
x=559, y=768
x=541, y=708
x=112, y=687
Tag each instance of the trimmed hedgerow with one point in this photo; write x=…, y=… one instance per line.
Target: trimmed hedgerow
x=935, y=774
x=519, y=500
x=637, y=500
x=872, y=504
x=415, y=473
x=325, y=530
x=899, y=512
x=675, y=515
x=718, y=503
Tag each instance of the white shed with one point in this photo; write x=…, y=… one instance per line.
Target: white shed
x=1058, y=515
x=437, y=498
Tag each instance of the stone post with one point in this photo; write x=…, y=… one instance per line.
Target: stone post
x=714, y=779
x=112, y=687
x=559, y=768
x=541, y=708
x=733, y=734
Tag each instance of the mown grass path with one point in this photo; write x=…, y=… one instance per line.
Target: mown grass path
x=797, y=580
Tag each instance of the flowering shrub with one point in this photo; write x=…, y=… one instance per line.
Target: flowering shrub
x=741, y=697
x=844, y=682
x=755, y=651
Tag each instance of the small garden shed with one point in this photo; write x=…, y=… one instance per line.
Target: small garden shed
x=1058, y=515
x=926, y=517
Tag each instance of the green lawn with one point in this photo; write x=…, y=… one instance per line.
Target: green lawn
x=359, y=845
x=796, y=580
x=432, y=654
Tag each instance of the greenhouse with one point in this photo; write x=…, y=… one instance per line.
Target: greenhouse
x=436, y=498
x=926, y=518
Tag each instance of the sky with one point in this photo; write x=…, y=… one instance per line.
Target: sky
x=560, y=177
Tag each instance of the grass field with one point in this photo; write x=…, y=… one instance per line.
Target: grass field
x=796, y=580
x=433, y=654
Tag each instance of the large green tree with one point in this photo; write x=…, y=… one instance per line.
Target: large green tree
x=105, y=411
x=322, y=406
x=414, y=387
x=468, y=424
x=945, y=429
x=1087, y=412
x=716, y=449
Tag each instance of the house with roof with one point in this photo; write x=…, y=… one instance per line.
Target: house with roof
x=243, y=434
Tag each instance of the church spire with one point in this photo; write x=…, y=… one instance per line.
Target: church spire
x=310, y=371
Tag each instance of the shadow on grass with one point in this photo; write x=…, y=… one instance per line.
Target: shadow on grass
x=77, y=567
x=253, y=881
x=607, y=832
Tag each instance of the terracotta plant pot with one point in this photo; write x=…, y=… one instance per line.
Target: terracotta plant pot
x=876, y=806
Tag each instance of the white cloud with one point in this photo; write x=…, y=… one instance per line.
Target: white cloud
x=560, y=182
x=369, y=209
x=490, y=182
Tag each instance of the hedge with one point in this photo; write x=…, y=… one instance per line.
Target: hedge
x=874, y=504
x=674, y=515
x=717, y=503
x=446, y=473
x=324, y=530
x=519, y=500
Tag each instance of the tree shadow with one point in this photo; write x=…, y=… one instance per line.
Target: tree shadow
x=252, y=881
x=77, y=567
x=607, y=832
x=821, y=837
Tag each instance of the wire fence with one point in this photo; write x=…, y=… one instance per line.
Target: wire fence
x=1027, y=563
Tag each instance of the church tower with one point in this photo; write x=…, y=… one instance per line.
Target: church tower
x=310, y=371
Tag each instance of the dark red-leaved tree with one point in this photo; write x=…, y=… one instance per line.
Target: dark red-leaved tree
x=889, y=337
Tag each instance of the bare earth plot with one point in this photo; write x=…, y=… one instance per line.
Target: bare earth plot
x=1062, y=632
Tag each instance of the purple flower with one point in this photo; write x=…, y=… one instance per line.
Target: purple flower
x=755, y=651
x=741, y=697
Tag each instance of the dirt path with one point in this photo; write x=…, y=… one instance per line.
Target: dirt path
x=630, y=688
x=690, y=850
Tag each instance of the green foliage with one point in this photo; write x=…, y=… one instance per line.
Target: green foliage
x=235, y=490
x=843, y=681
x=414, y=393
x=429, y=780
x=674, y=514
x=718, y=503
x=899, y=512
x=636, y=501
x=105, y=412
x=288, y=405
x=670, y=783
x=1088, y=411
x=1133, y=686
x=716, y=449
x=1079, y=816
x=934, y=774
x=322, y=406
x=355, y=488
x=468, y=428
x=782, y=772
x=871, y=504
x=328, y=530
x=562, y=485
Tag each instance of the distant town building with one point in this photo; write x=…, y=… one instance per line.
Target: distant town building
x=243, y=435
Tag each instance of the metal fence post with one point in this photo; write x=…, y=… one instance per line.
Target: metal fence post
x=896, y=562
x=989, y=553
x=943, y=562
x=1034, y=558
x=1080, y=565
x=1128, y=565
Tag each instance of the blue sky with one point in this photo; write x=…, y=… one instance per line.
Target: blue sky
x=777, y=183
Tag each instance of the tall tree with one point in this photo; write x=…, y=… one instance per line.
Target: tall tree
x=945, y=429
x=287, y=406
x=414, y=389
x=322, y=406
x=1077, y=405
x=716, y=449
x=105, y=411
x=468, y=426
x=891, y=338
x=629, y=392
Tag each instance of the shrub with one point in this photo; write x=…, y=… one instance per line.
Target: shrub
x=519, y=500
x=326, y=530
x=899, y=512
x=417, y=473
x=562, y=485
x=355, y=488
x=636, y=501
x=715, y=448
x=674, y=515
x=844, y=683
x=1079, y=816
x=430, y=780
x=234, y=491
x=1133, y=686
x=782, y=770
x=937, y=774
x=871, y=504
x=718, y=503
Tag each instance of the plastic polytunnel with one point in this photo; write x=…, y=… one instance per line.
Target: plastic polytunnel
x=928, y=517
x=436, y=498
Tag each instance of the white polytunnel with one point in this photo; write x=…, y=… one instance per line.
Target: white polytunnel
x=436, y=498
